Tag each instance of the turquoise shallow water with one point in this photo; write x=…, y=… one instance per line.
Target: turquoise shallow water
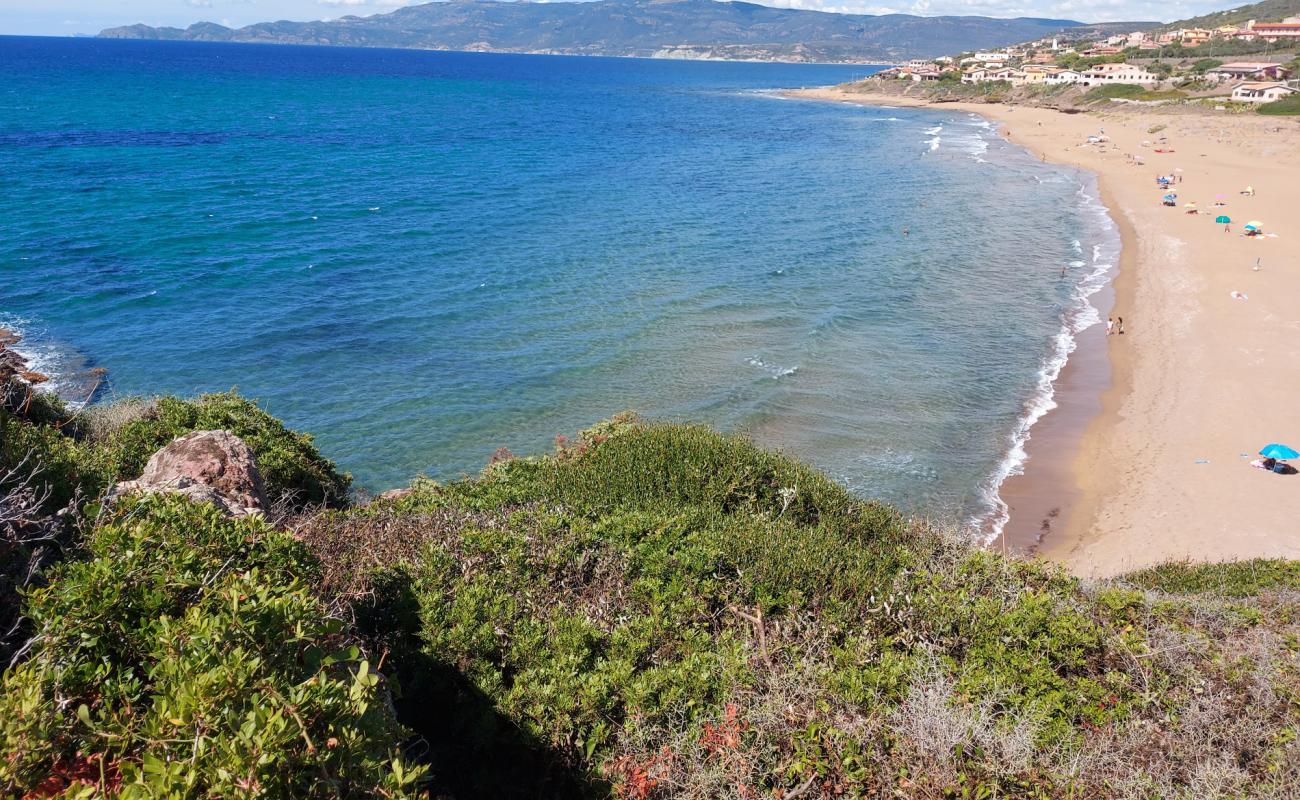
x=422, y=257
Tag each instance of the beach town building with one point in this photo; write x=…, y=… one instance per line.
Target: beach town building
x=1059, y=76
x=1030, y=75
x=1261, y=92
x=974, y=75
x=1287, y=29
x=986, y=57
x=1194, y=37
x=1248, y=71
x=1104, y=74
x=1092, y=52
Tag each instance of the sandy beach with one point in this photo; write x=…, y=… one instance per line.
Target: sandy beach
x=1158, y=467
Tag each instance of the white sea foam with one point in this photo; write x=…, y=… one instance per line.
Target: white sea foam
x=1080, y=315
x=777, y=372
x=42, y=354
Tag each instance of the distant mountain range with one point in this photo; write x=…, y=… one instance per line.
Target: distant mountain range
x=662, y=28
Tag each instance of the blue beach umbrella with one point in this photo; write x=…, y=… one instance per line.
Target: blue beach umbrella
x=1222, y=219
x=1171, y=197
x=1279, y=451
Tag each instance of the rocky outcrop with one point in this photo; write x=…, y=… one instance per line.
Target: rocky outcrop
x=206, y=467
x=12, y=364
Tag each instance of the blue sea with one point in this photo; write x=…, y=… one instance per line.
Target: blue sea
x=421, y=257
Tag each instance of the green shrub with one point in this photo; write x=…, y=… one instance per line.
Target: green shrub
x=289, y=462
x=62, y=465
x=1287, y=106
x=1131, y=91
x=1230, y=579
x=185, y=657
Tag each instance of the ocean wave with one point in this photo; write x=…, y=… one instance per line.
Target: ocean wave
x=1079, y=315
x=776, y=372
x=65, y=367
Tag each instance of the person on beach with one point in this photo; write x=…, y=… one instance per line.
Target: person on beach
x=1119, y=323
x=1110, y=325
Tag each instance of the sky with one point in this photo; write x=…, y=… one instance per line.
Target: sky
x=67, y=17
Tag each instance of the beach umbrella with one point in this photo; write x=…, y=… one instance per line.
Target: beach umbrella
x=1189, y=205
x=1171, y=197
x=1279, y=451
x=1222, y=219
x=1254, y=225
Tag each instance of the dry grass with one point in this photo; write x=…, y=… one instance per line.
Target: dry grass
x=101, y=422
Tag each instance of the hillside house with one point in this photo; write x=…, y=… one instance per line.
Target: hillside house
x=1059, y=76
x=1105, y=74
x=1261, y=92
x=1248, y=71
x=1286, y=30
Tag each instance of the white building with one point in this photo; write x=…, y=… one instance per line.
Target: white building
x=1056, y=77
x=1261, y=92
x=1104, y=74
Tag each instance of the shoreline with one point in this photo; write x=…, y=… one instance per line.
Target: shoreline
x=1114, y=478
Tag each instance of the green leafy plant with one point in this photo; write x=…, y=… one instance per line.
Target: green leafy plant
x=185, y=657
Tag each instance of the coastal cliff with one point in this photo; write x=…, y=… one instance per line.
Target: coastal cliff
x=649, y=611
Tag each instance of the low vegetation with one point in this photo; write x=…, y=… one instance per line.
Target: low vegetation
x=1129, y=91
x=652, y=611
x=1287, y=106
x=55, y=463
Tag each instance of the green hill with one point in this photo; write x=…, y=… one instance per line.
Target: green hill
x=680, y=28
x=651, y=611
x=1267, y=11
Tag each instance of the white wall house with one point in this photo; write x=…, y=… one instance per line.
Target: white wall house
x=1261, y=92
x=1104, y=74
x=1058, y=76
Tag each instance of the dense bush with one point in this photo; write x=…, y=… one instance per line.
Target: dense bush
x=185, y=657
x=290, y=464
x=87, y=454
x=661, y=611
x=653, y=611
